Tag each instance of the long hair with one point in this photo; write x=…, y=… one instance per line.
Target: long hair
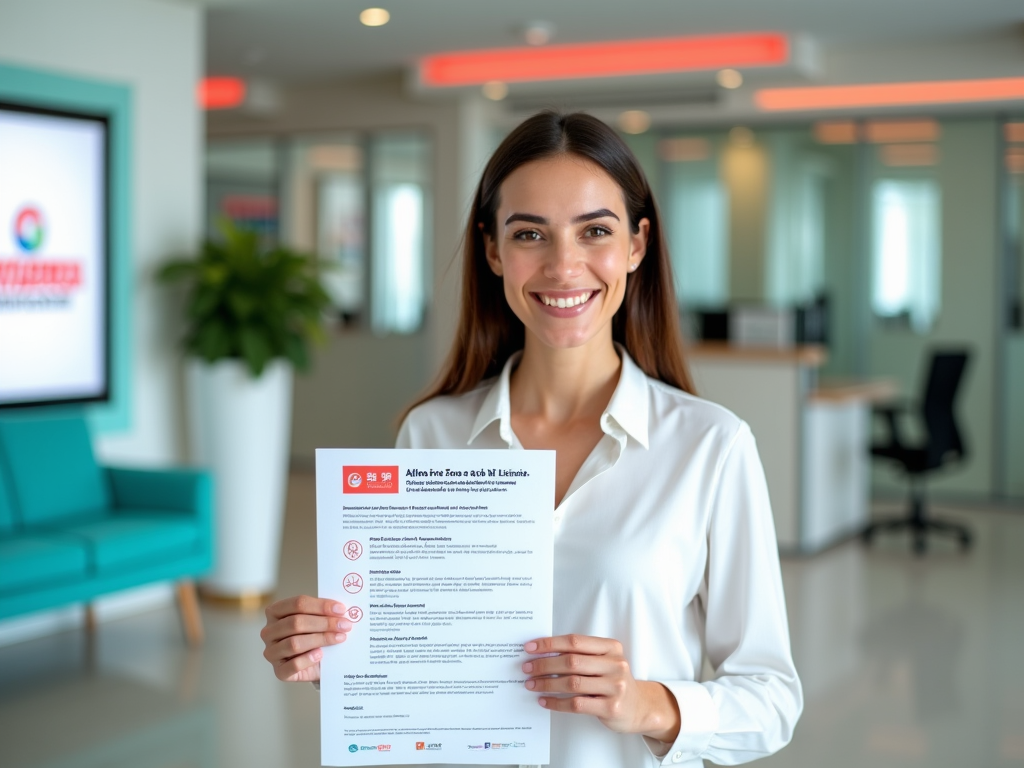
x=647, y=323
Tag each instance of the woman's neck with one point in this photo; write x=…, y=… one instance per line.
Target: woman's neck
x=563, y=385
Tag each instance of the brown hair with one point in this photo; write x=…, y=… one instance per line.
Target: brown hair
x=647, y=323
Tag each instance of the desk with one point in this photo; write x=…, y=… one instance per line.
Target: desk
x=813, y=438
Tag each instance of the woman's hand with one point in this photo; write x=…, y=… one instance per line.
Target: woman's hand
x=296, y=631
x=594, y=671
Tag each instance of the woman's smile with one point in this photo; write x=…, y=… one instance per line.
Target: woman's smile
x=565, y=303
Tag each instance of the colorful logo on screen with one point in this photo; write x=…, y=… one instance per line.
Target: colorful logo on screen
x=29, y=281
x=29, y=229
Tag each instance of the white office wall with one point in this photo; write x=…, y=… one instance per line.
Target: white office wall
x=157, y=49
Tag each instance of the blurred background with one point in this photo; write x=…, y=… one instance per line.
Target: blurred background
x=842, y=186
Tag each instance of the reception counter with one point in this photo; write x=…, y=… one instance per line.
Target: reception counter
x=812, y=435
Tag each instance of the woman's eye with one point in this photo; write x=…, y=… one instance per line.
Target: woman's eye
x=598, y=231
x=529, y=235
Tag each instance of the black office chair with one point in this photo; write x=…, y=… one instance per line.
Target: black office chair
x=942, y=447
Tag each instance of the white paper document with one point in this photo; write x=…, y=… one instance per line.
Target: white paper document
x=443, y=559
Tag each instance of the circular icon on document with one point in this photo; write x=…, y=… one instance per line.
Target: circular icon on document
x=355, y=480
x=353, y=550
x=353, y=748
x=353, y=583
x=354, y=613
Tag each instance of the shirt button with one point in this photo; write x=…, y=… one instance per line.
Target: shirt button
x=677, y=757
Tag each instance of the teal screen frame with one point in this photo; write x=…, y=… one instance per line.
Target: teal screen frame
x=48, y=90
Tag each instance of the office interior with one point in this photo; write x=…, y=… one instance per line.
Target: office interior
x=895, y=225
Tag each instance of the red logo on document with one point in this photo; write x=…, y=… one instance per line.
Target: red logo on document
x=421, y=745
x=355, y=613
x=370, y=479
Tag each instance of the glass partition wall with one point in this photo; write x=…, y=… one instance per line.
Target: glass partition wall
x=1012, y=390
x=362, y=202
x=894, y=226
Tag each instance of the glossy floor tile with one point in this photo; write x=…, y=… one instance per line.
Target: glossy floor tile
x=906, y=662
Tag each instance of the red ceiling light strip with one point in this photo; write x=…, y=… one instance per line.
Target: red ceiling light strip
x=220, y=92
x=608, y=59
x=889, y=94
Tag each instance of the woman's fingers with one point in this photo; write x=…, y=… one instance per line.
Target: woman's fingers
x=576, y=684
x=578, y=705
x=302, y=624
x=304, y=604
x=294, y=645
x=585, y=644
x=304, y=668
x=570, y=664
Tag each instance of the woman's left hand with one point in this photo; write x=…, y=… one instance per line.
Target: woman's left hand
x=595, y=674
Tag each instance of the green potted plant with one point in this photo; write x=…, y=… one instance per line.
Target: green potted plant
x=251, y=316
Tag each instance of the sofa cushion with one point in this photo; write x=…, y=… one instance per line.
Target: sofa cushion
x=52, y=469
x=29, y=561
x=131, y=538
x=6, y=502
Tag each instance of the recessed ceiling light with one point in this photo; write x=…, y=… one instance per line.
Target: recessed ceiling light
x=741, y=136
x=729, y=78
x=375, y=17
x=538, y=32
x=634, y=121
x=495, y=90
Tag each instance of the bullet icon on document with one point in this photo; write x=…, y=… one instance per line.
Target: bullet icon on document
x=353, y=583
x=354, y=613
x=353, y=550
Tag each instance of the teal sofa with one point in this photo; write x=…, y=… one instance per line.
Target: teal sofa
x=72, y=530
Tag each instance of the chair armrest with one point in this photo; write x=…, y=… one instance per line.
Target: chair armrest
x=890, y=412
x=187, y=491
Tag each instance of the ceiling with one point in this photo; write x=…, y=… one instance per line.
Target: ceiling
x=303, y=40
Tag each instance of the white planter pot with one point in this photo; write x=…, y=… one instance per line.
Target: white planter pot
x=240, y=429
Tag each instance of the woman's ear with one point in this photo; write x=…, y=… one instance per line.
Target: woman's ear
x=638, y=243
x=491, y=252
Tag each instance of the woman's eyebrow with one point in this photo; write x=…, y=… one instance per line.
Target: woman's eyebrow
x=527, y=217
x=532, y=218
x=600, y=213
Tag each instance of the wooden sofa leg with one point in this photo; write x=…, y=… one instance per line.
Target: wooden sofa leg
x=191, y=618
x=90, y=619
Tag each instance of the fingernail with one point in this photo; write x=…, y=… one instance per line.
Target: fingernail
x=345, y=626
x=528, y=667
x=338, y=608
x=542, y=702
x=315, y=655
x=339, y=638
x=531, y=684
x=531, y=647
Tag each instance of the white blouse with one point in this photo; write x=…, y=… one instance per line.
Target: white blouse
x=665, y=542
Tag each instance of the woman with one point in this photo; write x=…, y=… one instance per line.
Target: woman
x=671, y=643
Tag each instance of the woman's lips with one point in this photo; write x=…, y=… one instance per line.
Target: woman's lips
x=565, y=303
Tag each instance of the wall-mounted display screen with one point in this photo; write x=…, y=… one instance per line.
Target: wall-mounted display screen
x=54, y=306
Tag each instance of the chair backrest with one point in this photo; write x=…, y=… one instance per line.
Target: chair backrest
x=52, y=470
x=945, y=374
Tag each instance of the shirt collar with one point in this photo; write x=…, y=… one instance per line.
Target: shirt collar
x=627, y=411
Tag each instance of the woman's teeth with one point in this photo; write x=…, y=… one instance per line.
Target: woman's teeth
x=563, y=302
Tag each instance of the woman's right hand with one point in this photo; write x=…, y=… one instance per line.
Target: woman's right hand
x=297, y=630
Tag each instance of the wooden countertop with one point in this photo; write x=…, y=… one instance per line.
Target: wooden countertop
x=811, y=355
x=842, y=390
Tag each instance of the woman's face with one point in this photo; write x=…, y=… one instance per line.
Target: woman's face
x=563, y=247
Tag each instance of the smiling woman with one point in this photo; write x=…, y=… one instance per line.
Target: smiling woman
x=665, y=550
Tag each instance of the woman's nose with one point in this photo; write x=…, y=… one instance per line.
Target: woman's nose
x=564, y=262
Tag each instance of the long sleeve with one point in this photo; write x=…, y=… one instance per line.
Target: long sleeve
x=750, y=707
